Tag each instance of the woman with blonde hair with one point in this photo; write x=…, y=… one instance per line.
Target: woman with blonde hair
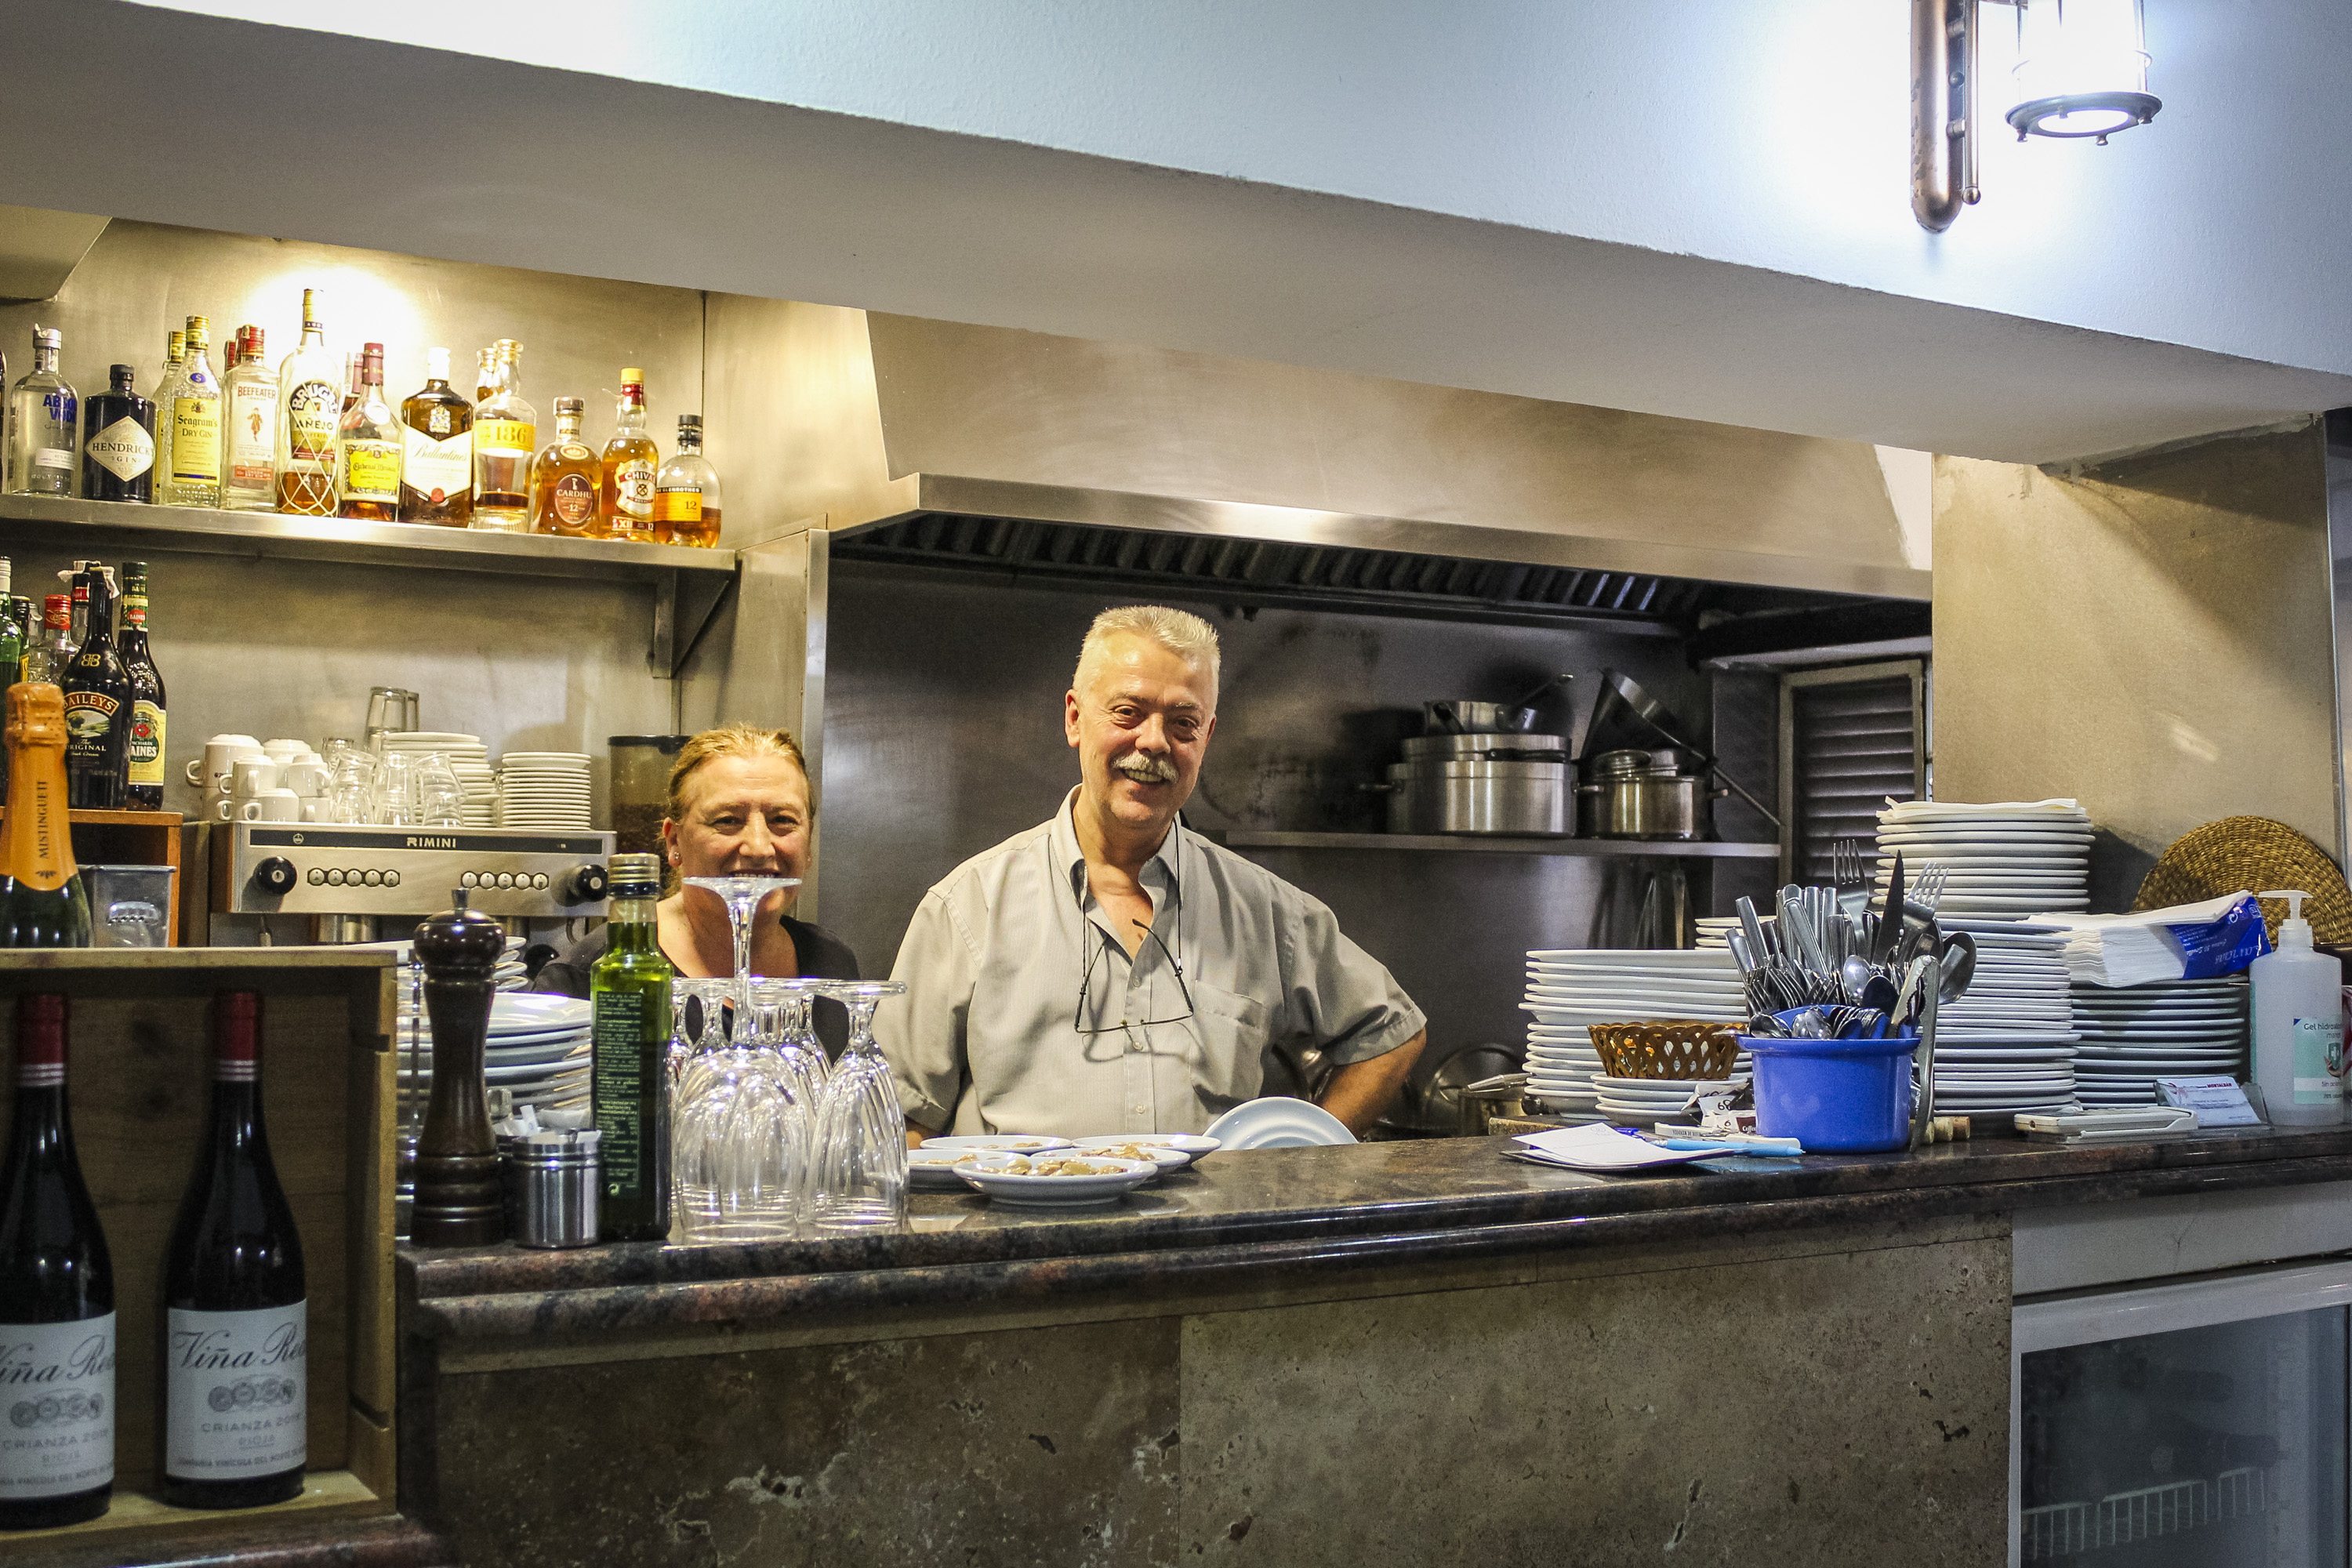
x=738, y=803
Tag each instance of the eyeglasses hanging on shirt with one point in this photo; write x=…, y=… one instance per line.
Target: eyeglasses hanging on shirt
x=1093, y=957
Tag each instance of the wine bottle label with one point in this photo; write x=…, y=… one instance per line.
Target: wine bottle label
x=617, y=1034
x=633, y=488
x=252, y=436
x=436, y=468
x=575, y=500
x=57, y=1407
x=196, y=440
x=311, y=413
x=512, y=438
x=235, y=1392
x=371, y=470
x=678, y=504
x=123, y=450
x=146, y=743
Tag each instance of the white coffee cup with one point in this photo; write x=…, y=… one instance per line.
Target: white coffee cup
x=314, y=808
x=251, y=775
x=285, y=751
x=209, y=772
x=271, y=805
x=305, y=779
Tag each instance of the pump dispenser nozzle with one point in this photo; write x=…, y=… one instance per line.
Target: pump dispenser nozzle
x=2294, y=931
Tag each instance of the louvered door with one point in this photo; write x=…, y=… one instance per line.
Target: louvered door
x=1850, y=737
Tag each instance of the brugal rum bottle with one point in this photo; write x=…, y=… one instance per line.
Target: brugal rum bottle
x=57, y=1300
x=233, y=1430
x=628, y=996
x=42, y=902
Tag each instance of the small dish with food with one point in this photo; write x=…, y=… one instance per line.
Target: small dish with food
x=1054, y=1178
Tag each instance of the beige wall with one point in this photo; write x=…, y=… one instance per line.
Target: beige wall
x=2152, y=637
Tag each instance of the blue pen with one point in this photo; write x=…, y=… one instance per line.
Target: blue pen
x=1768, y=1148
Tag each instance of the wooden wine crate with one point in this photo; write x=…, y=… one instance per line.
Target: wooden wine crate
x=138, y=1070
x=133, y=838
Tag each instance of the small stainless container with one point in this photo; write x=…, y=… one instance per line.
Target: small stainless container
x=1642, y=794
x=553, y=1180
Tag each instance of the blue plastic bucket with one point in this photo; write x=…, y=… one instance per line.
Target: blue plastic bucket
x=1834, y=1097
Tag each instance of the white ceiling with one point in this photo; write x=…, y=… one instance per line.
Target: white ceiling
x=1676, y=309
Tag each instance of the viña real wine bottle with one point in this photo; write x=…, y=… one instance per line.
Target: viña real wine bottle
x=42, y=901
x=57, y=1300
x=232, y=1432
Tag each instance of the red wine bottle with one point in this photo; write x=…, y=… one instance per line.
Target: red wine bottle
x=57, y=1300
x=233, y=1433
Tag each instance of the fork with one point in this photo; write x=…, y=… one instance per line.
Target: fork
x=1930, y=894
x=1851, y=869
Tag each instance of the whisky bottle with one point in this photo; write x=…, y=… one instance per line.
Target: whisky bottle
x=146, y=757
x=565, y=478
x=309, y=399
x=631, y=461
x=686, y=492
x=506, y=437
x=44, y=457
x=436, y=450
x=192, y=477
x=629, y=1026
x=367, y=449
x=118, y=448
x=250, y=428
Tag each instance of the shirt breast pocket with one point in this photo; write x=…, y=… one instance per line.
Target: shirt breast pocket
x=1233, y=1031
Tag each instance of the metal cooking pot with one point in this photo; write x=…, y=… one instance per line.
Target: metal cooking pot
x=1634, y=795
x=1481, y=796
x=1472, y=718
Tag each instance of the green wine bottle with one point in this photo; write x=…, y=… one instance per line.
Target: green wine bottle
x=628, y=995
x=42, y=902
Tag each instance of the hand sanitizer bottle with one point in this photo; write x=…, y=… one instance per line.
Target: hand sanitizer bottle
x=2298, y=1026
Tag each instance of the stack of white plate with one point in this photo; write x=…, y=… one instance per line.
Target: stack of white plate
x=2002, y=861
x=2008, y=1043
x=468, y=758
x=1640, y=1101
x=544, y=791
x=2134, y=1035
x=538, y=1049
x=1569, y=990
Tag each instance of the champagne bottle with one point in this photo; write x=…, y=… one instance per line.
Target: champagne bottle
x=57, y=1300
x=628, y=997
x=42, y=901
x=232, y=1432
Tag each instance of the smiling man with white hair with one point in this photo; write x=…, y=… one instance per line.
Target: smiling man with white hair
x=1109, y=971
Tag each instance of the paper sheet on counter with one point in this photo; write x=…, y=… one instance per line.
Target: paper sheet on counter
x=1603, y=1149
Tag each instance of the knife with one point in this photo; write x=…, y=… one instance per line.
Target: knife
x=1890, y=922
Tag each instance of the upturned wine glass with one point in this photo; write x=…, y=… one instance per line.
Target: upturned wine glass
x=787, y=1028
x=739, y=1138
x=860, y=1175
x=742, y=895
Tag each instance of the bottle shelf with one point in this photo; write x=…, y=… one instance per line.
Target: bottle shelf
x=1494, y=844
x=57, y=522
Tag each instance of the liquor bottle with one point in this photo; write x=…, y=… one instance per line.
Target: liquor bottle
x=686, y=492
x=42, y=900
x=118, y=449
x=249, y=428
x=367, y=449
x=144, y=763
x=233, y=1431
x=631, y=459
x=309, y=402
x=506, y=437
x=98, y=707
x=167, y=392
x=351, y=363
x=565, y=478
x=485, y=374
x=44, y=425
x=628, y=1000
x=436, y=450
x=192, y=477
x=52, y=649
x=56, y=1299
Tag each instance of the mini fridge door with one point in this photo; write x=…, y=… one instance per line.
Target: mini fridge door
x=2198, y=1422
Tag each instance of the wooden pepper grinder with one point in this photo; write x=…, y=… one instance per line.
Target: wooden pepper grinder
x=459, y=1199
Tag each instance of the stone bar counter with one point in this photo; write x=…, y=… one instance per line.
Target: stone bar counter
x=1385, y=1353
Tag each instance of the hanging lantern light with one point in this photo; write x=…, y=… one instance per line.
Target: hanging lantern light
x=2082, y=69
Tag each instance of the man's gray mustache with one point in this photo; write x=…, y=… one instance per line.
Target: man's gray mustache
x=1145, y=770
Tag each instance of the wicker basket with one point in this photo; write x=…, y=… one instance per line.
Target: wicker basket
x=2252, y=854
x=1679, y=1048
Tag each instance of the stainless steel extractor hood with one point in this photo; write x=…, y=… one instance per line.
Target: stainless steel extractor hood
x=856, y=421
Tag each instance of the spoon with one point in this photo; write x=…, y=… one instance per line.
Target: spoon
x=1960, y=966
x=1854, y=972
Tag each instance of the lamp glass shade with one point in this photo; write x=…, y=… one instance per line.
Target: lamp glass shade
x=2082, y=69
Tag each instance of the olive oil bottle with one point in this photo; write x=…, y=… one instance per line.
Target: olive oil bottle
x=628, y=996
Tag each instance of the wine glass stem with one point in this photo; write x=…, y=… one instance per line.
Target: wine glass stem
x=740, y=913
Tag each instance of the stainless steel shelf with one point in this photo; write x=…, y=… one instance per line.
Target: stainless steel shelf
x=1492, y=843
x=59, y=523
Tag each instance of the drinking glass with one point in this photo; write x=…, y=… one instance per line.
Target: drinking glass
x=350, y=794
x=859, y=1180
x=784, y=1008
x=701, y=1029
x=397, y=792
x=440, y=798
x=742, y=896
x=740, y=1137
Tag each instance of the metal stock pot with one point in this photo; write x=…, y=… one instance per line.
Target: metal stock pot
x=1482, y=783
x=1642, y=794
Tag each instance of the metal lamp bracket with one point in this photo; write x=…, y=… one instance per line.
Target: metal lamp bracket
x=1943, y=110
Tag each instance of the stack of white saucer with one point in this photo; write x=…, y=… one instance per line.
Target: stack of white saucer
x=1570, y=990
x=2134, y=1035
x=2005, y=861
x=544, y=791
x=467, y=757
x=537, y=1049
x=2010, y=1043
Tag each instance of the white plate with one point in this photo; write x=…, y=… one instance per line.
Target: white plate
x=1664, y=957
x=1059, y=1192
x=1167, y=1156
x=1278, y=1122
x=511, y=1009
x=1008, y=1142
x=933, y=1170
